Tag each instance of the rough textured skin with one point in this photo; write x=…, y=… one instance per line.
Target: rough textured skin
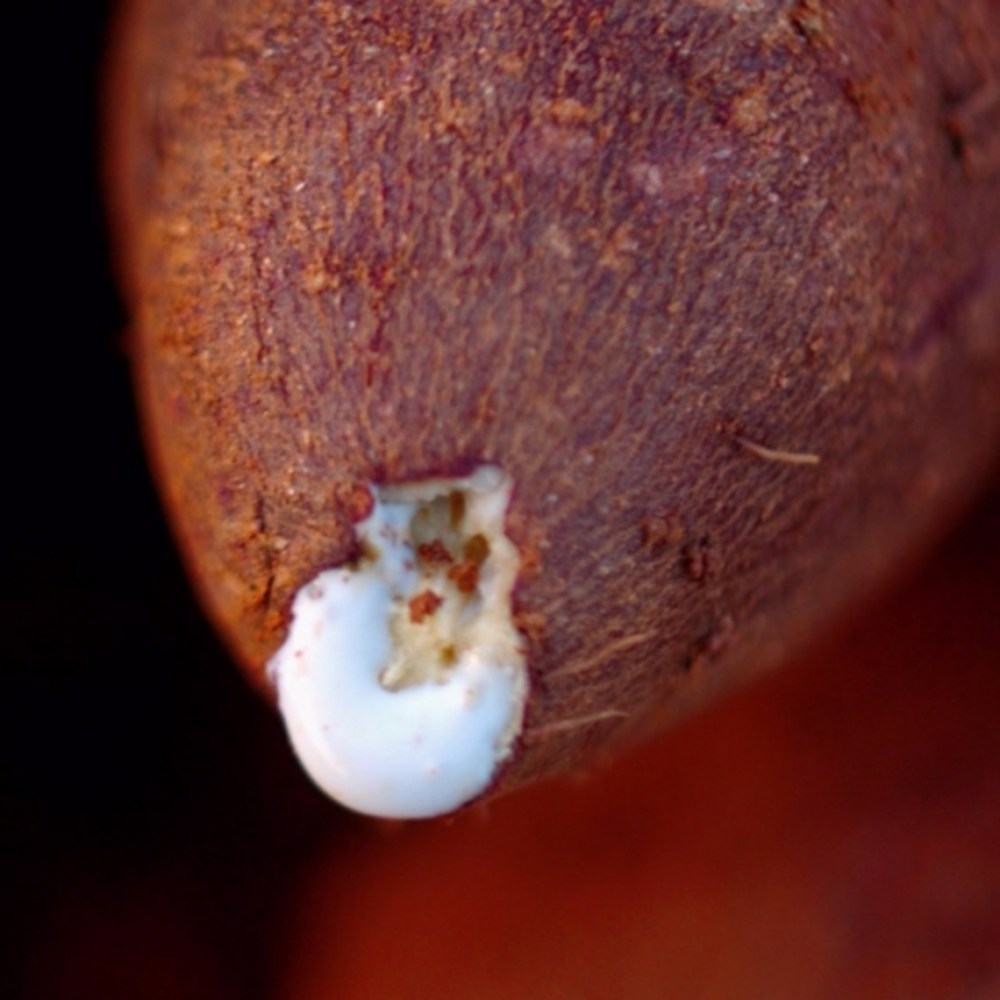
x=616, y=248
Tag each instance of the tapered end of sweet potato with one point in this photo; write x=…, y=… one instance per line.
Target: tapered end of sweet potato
x=717, y=286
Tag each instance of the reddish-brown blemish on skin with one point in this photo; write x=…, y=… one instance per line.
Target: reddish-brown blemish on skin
x=434, y=553
x=465, y=576
x=661, y=528
x=359, y=503
x=531, y=624
x=696, y=560
x=531, y=560
x=423, y=605
x=476, y=550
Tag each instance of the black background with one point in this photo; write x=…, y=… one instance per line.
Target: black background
x=136, y=763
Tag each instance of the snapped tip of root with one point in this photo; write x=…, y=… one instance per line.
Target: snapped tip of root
x=402, y=679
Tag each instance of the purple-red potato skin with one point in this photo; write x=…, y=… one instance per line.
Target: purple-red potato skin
x=717, y=284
